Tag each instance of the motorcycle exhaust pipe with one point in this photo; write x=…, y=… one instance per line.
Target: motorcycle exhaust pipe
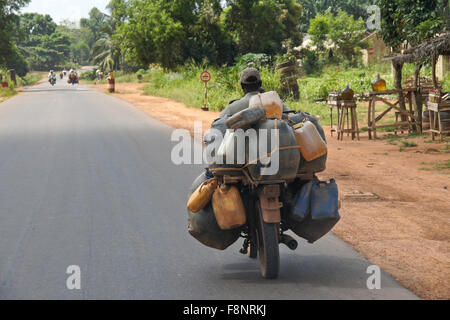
x=290, y=242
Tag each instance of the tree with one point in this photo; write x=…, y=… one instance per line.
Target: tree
x=342, y=30
x=36, y=24
x=311, y=8
x=41, y=43
x=172, y=32
x=102, y=54
x=80, y=52
x=262, y=25
x=153, y=34
x=10, y=56
x=51, y=51
x=207, y=37
x=319, y=30
x=98, y=23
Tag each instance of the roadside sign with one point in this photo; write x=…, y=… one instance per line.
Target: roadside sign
x=205, y=76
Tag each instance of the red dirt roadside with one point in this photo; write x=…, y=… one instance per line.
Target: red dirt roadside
x=404, y=228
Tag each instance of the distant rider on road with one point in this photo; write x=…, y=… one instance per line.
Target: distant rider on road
x=51, y=74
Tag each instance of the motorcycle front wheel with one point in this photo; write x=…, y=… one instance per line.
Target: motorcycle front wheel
x=268, y=246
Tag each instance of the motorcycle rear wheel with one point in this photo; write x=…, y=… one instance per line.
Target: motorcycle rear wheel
x=268, y=246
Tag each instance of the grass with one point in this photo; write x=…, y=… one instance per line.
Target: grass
x=7, y=93
x=445, y=149
x=29, y=79
x=437, y=166
x=442, y=165
x=407, y=144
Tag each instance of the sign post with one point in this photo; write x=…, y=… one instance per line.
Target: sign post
x=205, y=77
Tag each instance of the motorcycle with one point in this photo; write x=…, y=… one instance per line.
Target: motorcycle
x=73, y=79
x=52, y=80
x=293, y=199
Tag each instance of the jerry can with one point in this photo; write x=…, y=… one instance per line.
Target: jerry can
x=284, y=147
x=203, y=226
x=202, y=195
x=246, y=118
x=228, y=207
x=347, y=93
x=270, y=101
x=312, y=146
x=379, y=84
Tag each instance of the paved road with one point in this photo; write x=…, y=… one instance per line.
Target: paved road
x=86, y=179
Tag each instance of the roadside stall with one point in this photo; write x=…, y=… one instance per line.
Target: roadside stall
x=418, y=95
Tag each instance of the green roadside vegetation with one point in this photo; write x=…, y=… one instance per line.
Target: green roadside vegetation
x=184, y=84
x=29, y=79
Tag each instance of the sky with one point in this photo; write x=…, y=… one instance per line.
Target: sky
x=65, y=9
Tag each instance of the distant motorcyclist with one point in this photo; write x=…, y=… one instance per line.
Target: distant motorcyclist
x=100, y=75
x=73, y=77
x=52, y=77
x=251, y=84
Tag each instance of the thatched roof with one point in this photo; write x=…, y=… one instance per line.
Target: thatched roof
x=433, y=47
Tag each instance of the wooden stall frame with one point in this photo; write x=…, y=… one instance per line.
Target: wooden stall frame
x=435, y=109
x=374, y=97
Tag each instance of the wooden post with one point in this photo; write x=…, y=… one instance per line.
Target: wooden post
x=415, y=96
x=433, y=71
x=374, y=121
x=398, y=67
x=369, y=120
x=206, y=95
x=417, y=75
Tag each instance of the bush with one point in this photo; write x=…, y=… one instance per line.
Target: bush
x=142, y=72
x=311, y=62
x=89, y=75
x=255, y=60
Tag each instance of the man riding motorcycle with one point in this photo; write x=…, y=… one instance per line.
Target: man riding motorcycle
x=73, y=77
x=52, y=77
x=266, y=205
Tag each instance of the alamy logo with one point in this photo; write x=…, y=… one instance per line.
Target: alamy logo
x=73, y=282
x=374, y=280
x=374, y=21
x=236, y=147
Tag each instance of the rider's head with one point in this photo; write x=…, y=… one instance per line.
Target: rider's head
x=250, y=80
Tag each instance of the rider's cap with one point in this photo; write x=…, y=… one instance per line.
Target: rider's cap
x=250, y=76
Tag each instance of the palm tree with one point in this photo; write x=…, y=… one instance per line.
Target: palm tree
x=102, y=54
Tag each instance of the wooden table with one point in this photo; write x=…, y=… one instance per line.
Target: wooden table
x=347, y=118
x=375, y=96
x=435, y=118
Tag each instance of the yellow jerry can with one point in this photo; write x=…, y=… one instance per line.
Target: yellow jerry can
x=202, y=196
x=228, y=207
